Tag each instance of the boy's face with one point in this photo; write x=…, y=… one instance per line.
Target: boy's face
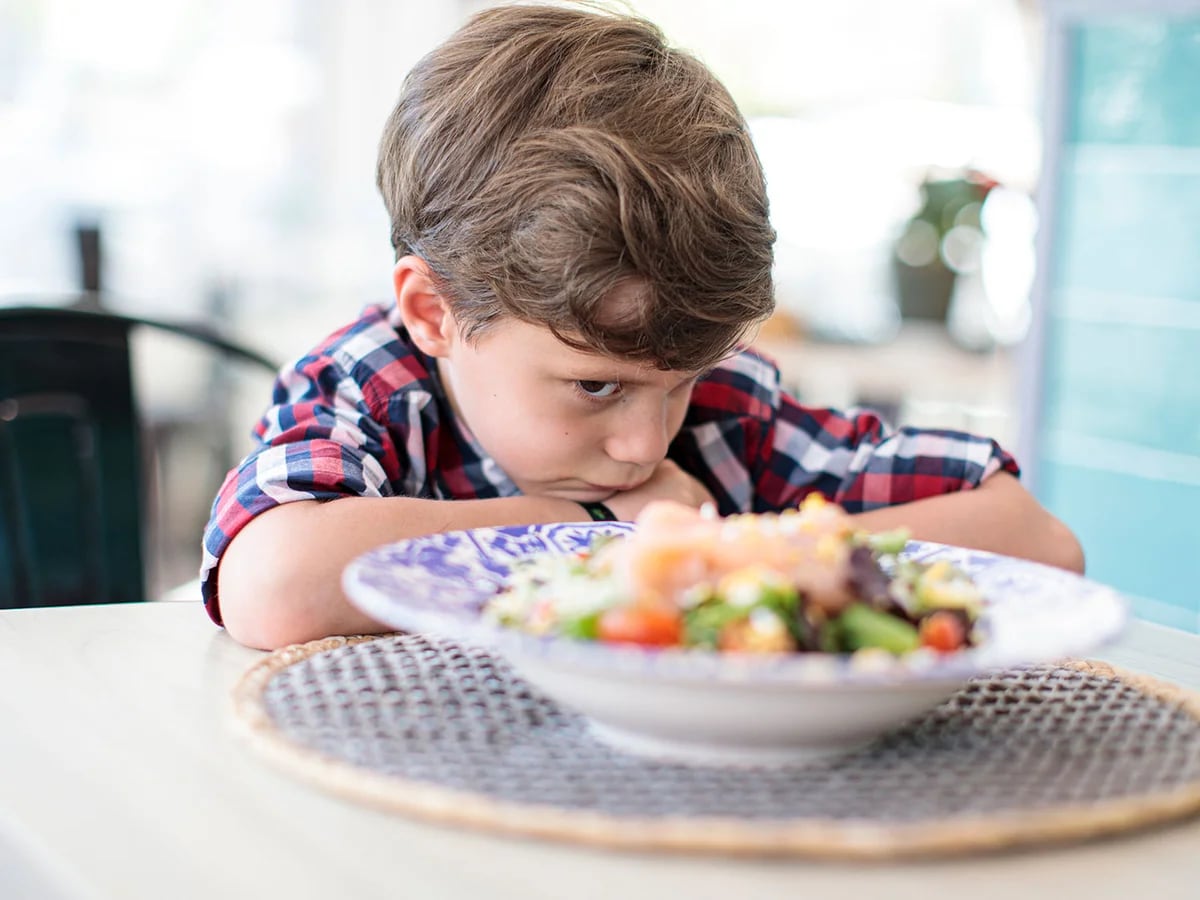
x=558, y=421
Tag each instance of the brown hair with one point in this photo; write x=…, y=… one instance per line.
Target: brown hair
x=542, y=156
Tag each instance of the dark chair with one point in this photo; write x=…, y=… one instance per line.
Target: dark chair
x=72, y=483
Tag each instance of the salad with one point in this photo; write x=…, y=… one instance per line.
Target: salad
x=803, y=580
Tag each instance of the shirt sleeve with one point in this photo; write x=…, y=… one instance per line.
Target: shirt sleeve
x=852, y=459
x=758, y=449
x=319, y=441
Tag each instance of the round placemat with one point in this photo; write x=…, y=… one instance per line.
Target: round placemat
x=426, y=727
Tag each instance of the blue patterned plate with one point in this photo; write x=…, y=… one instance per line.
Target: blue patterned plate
x=439, y=584
x=709, y=708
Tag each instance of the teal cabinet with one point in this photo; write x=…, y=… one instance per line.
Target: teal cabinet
x=1110, y=427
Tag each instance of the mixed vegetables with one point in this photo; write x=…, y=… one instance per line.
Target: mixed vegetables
x=801, y=580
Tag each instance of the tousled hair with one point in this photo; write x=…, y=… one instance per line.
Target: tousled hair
x=543, y=156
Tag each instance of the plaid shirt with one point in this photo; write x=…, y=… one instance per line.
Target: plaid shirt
x=364, y=414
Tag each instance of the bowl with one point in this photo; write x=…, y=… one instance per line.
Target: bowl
x=702, y=706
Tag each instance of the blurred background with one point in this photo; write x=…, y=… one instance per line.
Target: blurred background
x=215, y=160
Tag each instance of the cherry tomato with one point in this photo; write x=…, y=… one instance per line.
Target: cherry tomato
x=647, y=624
x=943, y=631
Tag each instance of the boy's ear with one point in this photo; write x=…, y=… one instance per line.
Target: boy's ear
x=425, y=312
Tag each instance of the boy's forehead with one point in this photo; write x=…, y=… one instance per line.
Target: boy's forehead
x=538, y=348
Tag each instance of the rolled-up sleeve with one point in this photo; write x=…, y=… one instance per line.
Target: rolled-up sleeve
x=758, y=449
x=852, y=459
x=320, y=440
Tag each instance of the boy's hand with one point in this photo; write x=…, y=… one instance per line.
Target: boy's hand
x=669, y=482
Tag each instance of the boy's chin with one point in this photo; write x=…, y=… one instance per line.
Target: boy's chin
x=578, y=493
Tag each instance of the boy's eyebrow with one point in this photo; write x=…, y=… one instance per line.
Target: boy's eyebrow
x=597, y=374
x=684, y=377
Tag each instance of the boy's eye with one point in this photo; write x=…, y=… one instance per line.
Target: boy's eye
x=599, y=389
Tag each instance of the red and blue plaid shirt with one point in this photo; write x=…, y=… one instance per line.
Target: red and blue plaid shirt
x=364, y=414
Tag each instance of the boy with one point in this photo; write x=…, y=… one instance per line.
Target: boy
x=582, y=244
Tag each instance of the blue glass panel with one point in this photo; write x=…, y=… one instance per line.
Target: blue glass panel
x=1119, y=440
x=1125, y=383
x=1140, y=535
x=1139, y=81
x=1130, y=229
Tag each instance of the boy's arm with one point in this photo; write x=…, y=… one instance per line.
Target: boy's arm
x=999, y=515
x=279, y=580
x=944, y=486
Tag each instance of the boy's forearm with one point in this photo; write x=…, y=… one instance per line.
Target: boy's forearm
x=279, y=580
x=999, y=515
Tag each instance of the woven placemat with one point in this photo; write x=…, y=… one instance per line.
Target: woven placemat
x=426, y=727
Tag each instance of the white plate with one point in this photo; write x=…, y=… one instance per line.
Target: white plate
x=705, y=706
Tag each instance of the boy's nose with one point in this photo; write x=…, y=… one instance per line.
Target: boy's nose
x=641, y=437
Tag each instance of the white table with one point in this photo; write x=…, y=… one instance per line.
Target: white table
x=119, y=778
